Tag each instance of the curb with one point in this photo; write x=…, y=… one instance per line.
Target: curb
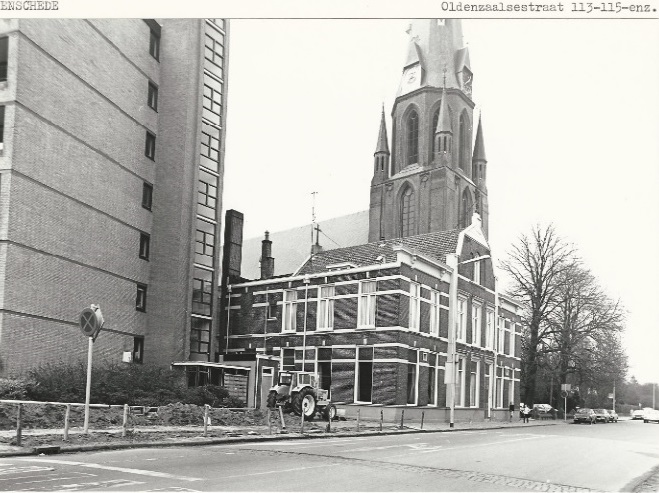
x=243, y=439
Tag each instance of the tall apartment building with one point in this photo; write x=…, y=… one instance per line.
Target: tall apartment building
x=111, y=166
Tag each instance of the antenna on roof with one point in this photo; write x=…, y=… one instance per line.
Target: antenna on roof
x=313, y=214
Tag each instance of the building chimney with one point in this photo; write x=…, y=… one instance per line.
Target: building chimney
x=233, y=245
x=267, y=260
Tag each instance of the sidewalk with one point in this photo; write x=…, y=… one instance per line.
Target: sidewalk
x=43, y=441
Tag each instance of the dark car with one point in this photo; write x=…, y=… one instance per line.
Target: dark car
x=585, y=415
x=601, y=415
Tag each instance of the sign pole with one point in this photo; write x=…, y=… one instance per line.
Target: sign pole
x=90, y=351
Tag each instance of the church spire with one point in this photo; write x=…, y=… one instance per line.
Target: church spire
x=383, y=145
x=381, y=155
x=443, y=139
x=479, y=161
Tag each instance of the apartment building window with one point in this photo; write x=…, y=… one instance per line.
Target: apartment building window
x=207, y=194
x=154, y=44
x=140, y=298
x=477, y=272
x=460, y=382
x=202, y=291
x=150, y=146
x=4, y=55
x=200, y=331
x=364, y=375
x=432, y=380
x=152, y=96
x=205, y=243
x=415, y=305
x=366, y=304
x=138, y=349
x=289, y=310
x=271, y=309
x=501, y=336
x=2, y=127
x=511, y=385
x=326, y=307
x=324, y=367
x=434, y=313
x=412, y=376
x=489, y=329
x=212, y=101
x=462, y=320
x=499, y=388
x=474, y=382
x=210, y=147
x=147, y=195
x=511, y=347
x=214, y=49
x=288, y=359
x=476, y=324
x=145, y=239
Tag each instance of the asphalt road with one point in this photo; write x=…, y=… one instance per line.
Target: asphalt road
x=602, y=457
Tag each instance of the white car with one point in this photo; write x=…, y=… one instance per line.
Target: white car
x=638, y=414
x=651, y=415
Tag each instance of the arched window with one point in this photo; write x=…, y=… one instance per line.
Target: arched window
x=412, y=138
x=407, y=212
x=466, y=209
x=435, y=119
x=464, y=150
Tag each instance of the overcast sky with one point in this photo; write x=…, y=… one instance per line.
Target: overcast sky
x=570, y=113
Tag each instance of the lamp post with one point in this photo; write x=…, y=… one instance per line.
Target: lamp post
x=304, y=325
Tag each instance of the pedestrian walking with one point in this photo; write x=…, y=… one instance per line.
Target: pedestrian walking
x=511, y=408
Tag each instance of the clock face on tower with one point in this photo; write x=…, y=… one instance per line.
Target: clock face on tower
x=467, y=77
x=411, y=79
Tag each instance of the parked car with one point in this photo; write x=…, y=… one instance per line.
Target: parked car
x=613, y=416
x=639, y=413
x=651, y=415
x=601, y=415
x=585, y=415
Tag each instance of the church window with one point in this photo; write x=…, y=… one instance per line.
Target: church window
x=465, y=143
x=412, y=143
x=433, y=129
x=407, y=213
x=466, y=206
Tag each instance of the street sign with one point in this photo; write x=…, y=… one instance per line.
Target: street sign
x=91, y=321
x=564, y=394
x=566, y=386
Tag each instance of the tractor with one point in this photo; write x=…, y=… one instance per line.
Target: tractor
x=298, y=391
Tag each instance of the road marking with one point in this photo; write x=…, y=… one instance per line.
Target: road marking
x=278, y=471
x=110, y=483
x=15, y=469
x=142, y=472
x=442, y=449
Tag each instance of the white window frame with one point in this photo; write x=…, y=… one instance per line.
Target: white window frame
x=357, y=375
x=325, y=310
x=512, y=339
x=461, y=329
x=489, y=376
x=501, y=335
x=289, y=311
x=475, y=389
x=511, y=387
x=366, y=304
x=476, y=333
x=460, y=382
x=489, y=329
x=416, y=380
x=435, y=311
x=415, y=306
x=499, y=387
x=477, y=272
x=435, y=387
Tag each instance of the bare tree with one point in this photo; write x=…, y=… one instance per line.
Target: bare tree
x=536, y=265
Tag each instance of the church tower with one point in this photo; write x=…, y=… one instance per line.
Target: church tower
x=431, y=181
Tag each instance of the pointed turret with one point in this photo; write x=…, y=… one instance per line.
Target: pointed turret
x=381, y=155
x=478, y=160
x=443, y=134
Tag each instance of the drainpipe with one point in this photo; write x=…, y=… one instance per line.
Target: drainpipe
x=304, y=333
x=228, y=314
x=451, y=373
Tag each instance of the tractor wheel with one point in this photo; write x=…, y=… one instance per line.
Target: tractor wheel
x=329, y=413
x=272, y=399
x=304, y=403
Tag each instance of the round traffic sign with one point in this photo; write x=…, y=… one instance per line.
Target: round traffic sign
x=564, y=394
x=89, y=322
